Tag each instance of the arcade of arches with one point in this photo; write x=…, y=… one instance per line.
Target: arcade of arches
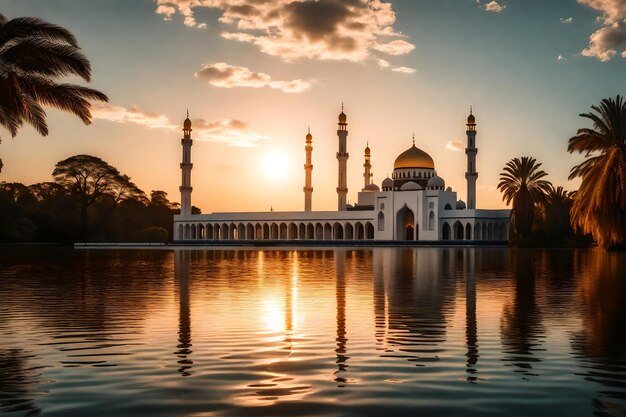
x=276, y=231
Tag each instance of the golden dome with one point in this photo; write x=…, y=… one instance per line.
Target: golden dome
x=414, y=158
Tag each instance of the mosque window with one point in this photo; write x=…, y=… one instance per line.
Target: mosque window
x=381, y=221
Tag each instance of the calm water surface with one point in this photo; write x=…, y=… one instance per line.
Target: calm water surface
x=368, y=332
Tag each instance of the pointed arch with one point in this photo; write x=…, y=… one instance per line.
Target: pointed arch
x=369, y=231
x=477, y=230
x=447, y=207
x=266, y=231
x=431, y=220
x=349, y=229
x=468, y=231
x=282, y=233
x=310, y=231
x=359, y=231
x=293, y=231
x=250, y=231
x=328, y=231
x=405, y=224
x=337, y=231
x=458, y=230
x=446, y=233
x=301, y=231
x=381, y=221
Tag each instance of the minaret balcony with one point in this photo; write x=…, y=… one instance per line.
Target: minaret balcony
x=471, y=175
x=186, y=141
x=472, y=151
x=183, y=188
x=343, y=156
x=186, y=165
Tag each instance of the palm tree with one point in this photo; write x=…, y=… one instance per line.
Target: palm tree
x=33, y=55
x=556, y=212
x=600, y=203
x=521, y=183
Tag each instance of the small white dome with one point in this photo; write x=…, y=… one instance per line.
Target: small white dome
x=387, y=183
x=437, y=182
x=460, y=205
x=411, y=186
x=371, y=187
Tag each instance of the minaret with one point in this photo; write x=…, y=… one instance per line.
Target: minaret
x=342, y=157
x=367, y=175
x=471, y=175
x=308, y=168
x=185, y=167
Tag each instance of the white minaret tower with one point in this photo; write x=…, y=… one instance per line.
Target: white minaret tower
x=185, y=167
x=367, y=175
x=308, y=168
x=342, y=157
x=471, y=175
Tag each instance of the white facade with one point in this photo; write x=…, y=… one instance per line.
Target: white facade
x=412, y=206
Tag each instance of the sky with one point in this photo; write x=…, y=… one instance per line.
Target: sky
x=256, y=74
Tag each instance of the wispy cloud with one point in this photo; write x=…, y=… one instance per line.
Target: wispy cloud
x=455, y=145
x=383, y=63
x=230, y=131
x=605, y=42
x=494, y=6
x=566, y=20
x=404, y=70
x=223, y=75
x=317, y=29
x=134, y=115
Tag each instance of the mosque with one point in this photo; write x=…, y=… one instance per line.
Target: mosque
x=413, y=205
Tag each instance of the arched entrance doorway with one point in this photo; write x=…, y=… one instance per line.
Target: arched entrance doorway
x=405, y=221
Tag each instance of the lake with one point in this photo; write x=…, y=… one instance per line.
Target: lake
x=303, y=332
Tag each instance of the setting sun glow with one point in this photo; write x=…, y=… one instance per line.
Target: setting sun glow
x=276, y=165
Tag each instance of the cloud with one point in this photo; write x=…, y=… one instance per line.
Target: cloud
x=455, y=145
x=605, y=42
x=383, y=64
x=349, y=30
x=223, y=75
x=566, y=21
x=231, y=131
x=134, y=115
x=494, y=6
x=405, y=70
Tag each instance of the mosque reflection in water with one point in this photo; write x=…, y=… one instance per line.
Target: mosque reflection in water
x=341, y=319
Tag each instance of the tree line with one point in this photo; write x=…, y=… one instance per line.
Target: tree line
x=543, y=214
x=89, y=201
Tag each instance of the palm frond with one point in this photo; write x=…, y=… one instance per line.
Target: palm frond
x=21, y=27
x=41, y=56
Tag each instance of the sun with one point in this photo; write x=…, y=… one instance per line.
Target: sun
x=276, y=165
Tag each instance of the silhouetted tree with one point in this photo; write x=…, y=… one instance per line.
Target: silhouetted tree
x=33, y=55
x=600, y=204
x=89, y=178
x=521, y=183
x=556, y=208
